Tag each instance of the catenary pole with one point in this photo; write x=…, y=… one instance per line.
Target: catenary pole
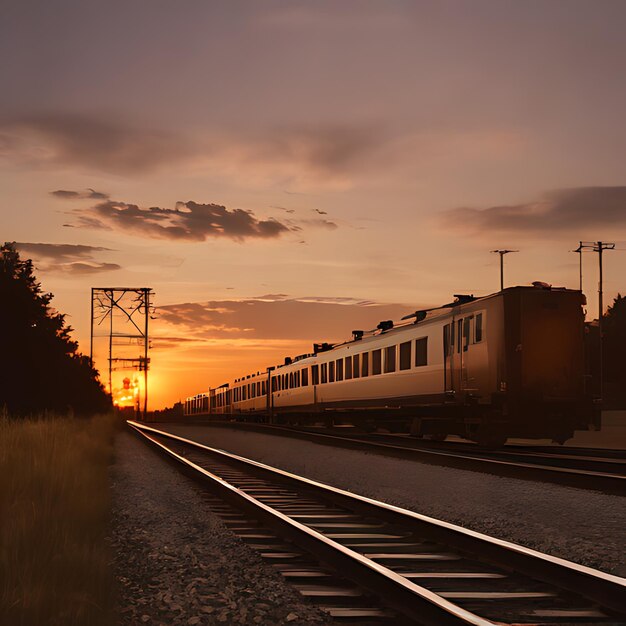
x=502, y=253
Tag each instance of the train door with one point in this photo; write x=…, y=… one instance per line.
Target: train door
x=459, y=353
x=269, y=400
x=448, y=357
x=453, y=355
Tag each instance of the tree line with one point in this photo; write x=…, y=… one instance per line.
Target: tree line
x=41, y=368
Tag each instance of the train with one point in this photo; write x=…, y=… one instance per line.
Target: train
x=507, y=365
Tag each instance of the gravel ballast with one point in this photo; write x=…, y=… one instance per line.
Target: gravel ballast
x=583, y=526
x=175, y=561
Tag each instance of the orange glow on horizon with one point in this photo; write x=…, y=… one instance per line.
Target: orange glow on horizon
x=128, y=394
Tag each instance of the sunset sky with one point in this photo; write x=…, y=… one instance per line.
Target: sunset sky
x=283, y=172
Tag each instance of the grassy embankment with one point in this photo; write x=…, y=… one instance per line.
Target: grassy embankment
x=54, y=515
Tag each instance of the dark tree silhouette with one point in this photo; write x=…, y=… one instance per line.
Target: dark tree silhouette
x=614, y=330
x=40, y=368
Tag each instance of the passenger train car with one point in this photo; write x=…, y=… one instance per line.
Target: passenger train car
x=510, y=364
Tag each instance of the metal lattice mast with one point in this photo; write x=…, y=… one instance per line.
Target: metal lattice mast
x=130, y=304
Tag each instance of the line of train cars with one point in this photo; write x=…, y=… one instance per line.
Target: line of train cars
x=510, y=364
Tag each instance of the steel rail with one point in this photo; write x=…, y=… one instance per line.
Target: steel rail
x=606, y=589
x=409, y=599
x=573, y=477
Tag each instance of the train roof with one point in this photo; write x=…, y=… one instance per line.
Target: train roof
x=422, y=316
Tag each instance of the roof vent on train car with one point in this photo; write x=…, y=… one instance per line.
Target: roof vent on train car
x=288, y=360
x=462, y=298
x=385, y=325
x=419, y=316
x=322, y=347
x=357, y=334
x=538, y=284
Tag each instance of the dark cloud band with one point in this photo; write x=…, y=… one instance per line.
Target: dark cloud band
x=276, y=316
x=67, y=258
x=564, y=209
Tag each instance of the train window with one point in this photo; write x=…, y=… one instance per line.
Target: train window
x=390, y=359
x=331, y=372
x=339, y=369
x=348, y=367
x=324, y=373
x=466, y=332
x=258, y=388
x=376, y=362
x=365, y=361
x=478, y=328
x=297, y=377
x=264, y=388
x=459, y=334
x=285, y=381
x=405, y=355
x=315, y=374
x=291, y=381
x=421, y=352
x=305, y=377
x=355, y=366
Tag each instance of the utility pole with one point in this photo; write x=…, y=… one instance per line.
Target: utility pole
x=502, y=253
x=126, y=334
x=599, y=247
x=146, y=302
x=580, y=264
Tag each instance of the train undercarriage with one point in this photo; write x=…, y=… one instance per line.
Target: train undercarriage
x=488, y=426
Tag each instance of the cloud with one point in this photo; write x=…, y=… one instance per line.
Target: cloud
x=67, y=258
x=89, y=194
x=325, y=224
x=188, y=221
x=61, y=140
x=573, y=209
x=88, y=267
x=325, y=149
x=277, y=317
x=298, y=154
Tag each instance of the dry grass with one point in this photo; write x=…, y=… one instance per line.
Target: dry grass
x=54, y=514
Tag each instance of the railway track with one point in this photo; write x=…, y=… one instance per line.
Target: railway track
x=594, y=469
x=367, y=561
